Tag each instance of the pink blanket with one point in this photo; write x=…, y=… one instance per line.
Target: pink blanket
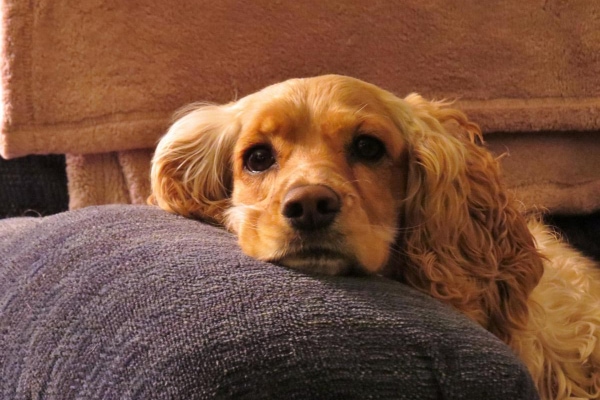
x=89, y=78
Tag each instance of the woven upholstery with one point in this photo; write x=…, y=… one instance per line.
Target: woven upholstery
x=129, y=302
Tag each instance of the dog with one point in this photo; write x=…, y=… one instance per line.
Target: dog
x=334, y=175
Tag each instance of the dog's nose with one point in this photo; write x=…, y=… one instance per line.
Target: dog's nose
x=311, y=207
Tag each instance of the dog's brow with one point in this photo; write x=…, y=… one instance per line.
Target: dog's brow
x=268, y=125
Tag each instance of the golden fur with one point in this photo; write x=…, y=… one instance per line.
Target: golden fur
x=430, y=211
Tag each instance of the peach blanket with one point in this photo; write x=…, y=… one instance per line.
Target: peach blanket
x=98, y=79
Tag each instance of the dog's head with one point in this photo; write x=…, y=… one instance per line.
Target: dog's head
x=332, y=174
x=309, y=173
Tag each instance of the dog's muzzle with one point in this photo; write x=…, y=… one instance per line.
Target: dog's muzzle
x=310, y=210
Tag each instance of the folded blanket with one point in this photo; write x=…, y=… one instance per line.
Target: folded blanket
x=552, y=171
x=86, y=77
x=124, y=302
x=109, y=178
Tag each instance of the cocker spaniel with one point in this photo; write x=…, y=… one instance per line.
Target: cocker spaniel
x=331, y=174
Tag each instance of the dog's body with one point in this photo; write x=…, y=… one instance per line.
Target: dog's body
x=331, y=174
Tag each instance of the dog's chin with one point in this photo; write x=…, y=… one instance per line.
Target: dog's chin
x=322, y=262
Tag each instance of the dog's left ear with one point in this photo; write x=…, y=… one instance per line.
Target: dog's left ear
x=191, y=168
x=462, y=238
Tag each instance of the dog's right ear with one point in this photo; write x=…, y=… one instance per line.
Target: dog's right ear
x=191, y=168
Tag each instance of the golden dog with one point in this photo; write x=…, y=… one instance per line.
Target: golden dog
x=331, y=175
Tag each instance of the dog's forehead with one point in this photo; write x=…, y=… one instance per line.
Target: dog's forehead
x=327, y=93
x=329, y=104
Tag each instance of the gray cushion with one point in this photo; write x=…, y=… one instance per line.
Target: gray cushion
x=129, y=302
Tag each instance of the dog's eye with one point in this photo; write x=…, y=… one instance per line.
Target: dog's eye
x=367, y=148
x=259, y=158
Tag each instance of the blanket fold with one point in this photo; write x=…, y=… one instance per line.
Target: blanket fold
x=108, y=178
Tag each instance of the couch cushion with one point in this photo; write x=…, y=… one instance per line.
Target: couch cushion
x=130, y=302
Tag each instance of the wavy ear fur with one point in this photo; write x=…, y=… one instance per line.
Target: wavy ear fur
x=462, y=238
x=191, y=169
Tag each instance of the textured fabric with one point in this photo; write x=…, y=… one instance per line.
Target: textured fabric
x=129, y=302
x=95, y=179
x=108, y=178
x=554, y=171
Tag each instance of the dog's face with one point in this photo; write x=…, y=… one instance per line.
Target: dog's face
x=318, y=177
x=331, y=174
